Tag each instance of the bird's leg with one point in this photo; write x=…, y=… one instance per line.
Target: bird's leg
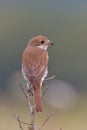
x=30, y=90
x=44, y=84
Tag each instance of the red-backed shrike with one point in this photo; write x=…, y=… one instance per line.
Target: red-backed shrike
x=34, y=66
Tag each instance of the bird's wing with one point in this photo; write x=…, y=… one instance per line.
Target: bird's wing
x=35, y=64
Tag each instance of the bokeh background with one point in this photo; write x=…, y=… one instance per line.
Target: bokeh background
x=65, y=23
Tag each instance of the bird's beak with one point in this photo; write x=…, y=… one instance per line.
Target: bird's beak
x=50, y=43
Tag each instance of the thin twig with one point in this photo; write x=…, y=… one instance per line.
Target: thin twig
x=49, y=78
x=32, y=112
x=31, y=108
x=25, y=123
x=45, y=121
x=20, y=85
x=19, y=121
x=44, y=92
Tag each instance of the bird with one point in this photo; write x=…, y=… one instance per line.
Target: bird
x=35, y=66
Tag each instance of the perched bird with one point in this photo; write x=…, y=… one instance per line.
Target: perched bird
x=35, y=66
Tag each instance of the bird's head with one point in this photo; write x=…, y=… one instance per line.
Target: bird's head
x=41, y=42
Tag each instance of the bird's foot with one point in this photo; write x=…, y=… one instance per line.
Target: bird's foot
x=30, y=92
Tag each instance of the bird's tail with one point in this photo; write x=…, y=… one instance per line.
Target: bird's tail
x=38, y=98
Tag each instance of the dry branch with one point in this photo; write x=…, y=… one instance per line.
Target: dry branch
x=49, y=78
x=22, y=122
x=30, y=107
x=20, y=85
x=31, y=126
x=49, y=116
x=19, y=121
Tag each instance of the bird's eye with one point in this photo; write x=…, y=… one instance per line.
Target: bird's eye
x=42, y=42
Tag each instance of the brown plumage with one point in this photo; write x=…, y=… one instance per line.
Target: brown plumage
x=34, y=66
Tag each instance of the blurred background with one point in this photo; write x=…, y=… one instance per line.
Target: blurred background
x=65, y=23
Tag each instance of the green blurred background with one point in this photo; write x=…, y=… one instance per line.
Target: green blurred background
x=65, y=23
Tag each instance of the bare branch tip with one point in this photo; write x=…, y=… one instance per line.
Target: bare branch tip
x=48, y=117
x=49, y=78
